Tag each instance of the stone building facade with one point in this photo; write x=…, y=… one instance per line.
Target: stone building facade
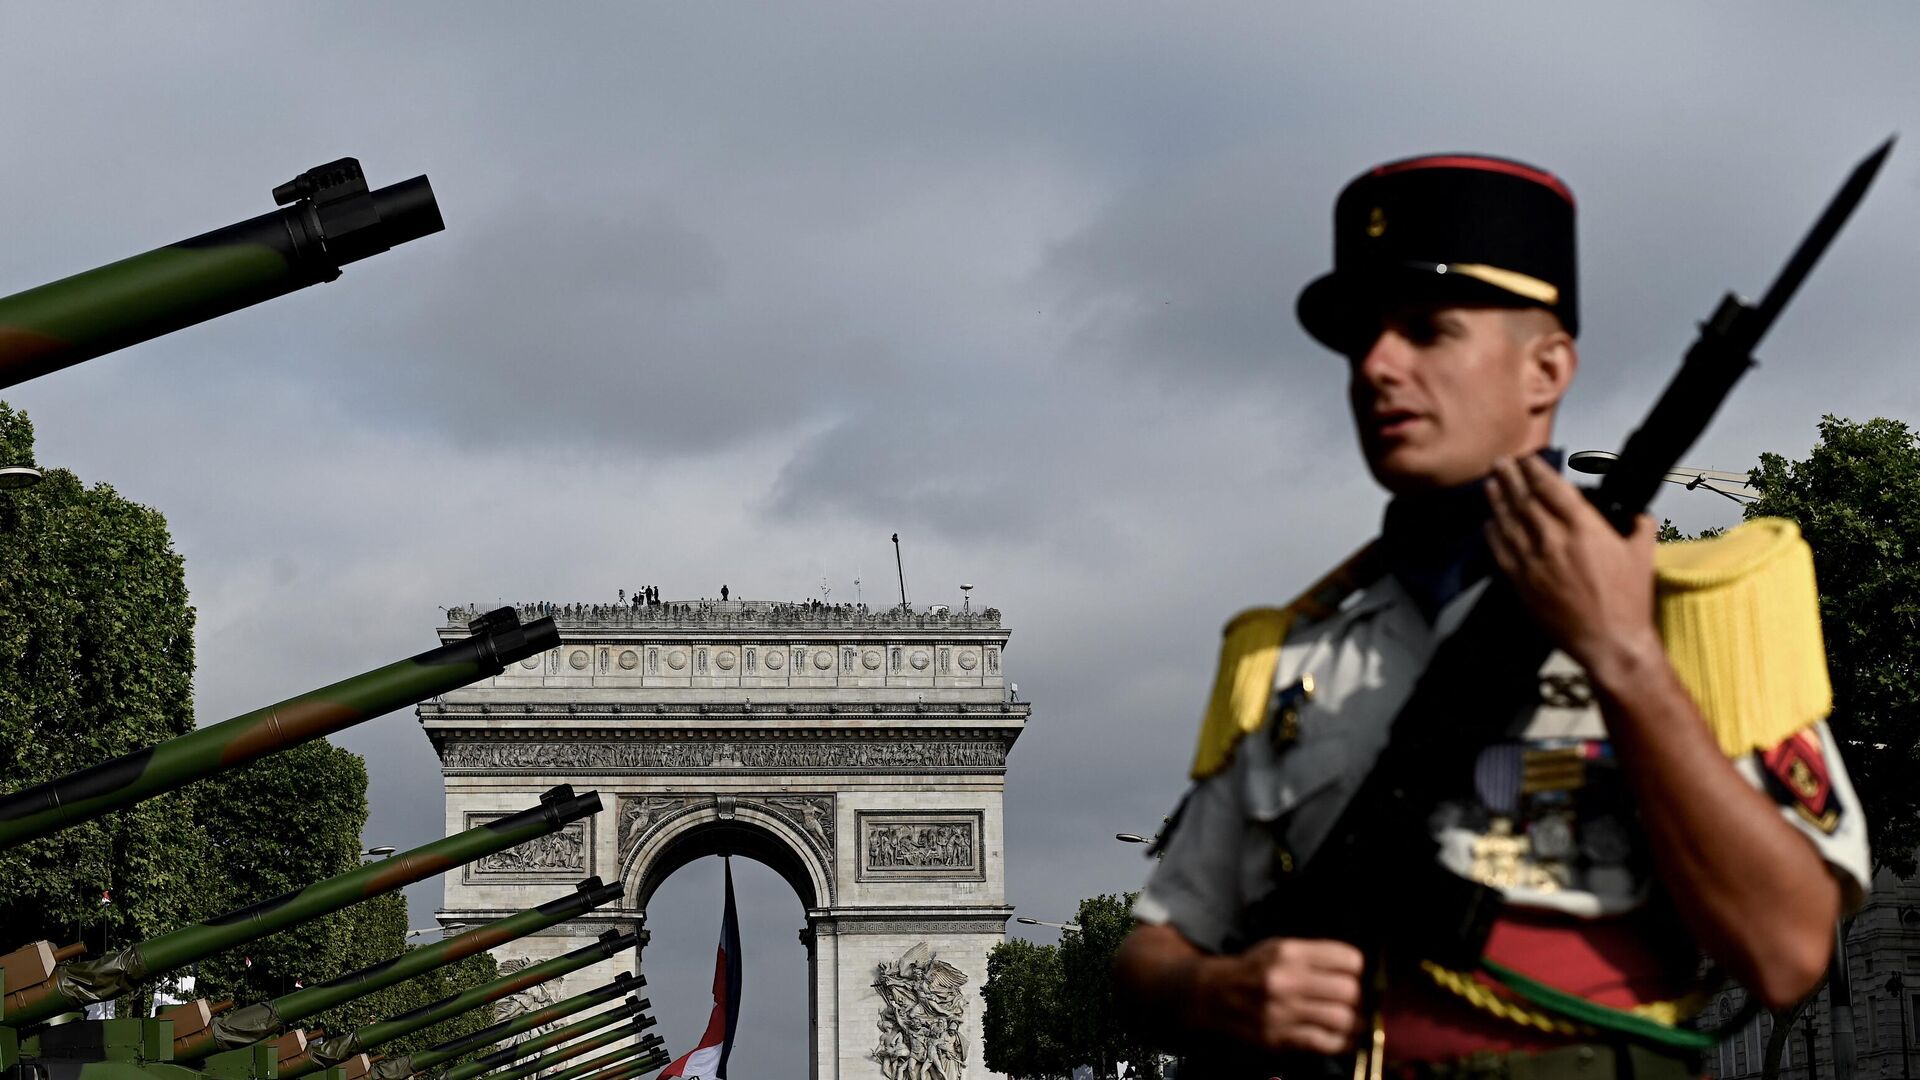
x=860, y=754
x=1882, y=940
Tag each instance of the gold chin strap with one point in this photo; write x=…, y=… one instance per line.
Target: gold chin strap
x=1540, y=292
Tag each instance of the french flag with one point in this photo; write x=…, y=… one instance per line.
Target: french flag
x=708, y=1061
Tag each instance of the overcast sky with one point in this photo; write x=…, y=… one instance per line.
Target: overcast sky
x=731, y=293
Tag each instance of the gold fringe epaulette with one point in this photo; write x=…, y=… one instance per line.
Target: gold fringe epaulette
x=1249, y=655
x=1740, y=617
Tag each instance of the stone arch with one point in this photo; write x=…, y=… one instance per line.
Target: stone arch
x=726, y=827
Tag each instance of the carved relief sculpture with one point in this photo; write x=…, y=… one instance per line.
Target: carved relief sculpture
x=946, y=845
x=533, y=997
x=922, y=1017
x=520, y=756
x=813, y=813
x=563, y=851
x=640, y=813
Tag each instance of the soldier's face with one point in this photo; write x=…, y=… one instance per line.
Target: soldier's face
x=1442, y=392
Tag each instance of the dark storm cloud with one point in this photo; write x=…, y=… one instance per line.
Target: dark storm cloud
x=729, y=296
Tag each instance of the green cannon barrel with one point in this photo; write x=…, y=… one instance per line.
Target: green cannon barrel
x=527, y=1021
x=81, y=982
x=631, y=1070
x=584, y=1046
x=266, y=1019
x=592, y=1065
x=328, y=218
x=537, y=1045
x=497, y=640
x=332, y=1051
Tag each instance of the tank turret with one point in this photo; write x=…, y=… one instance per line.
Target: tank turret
x=328, y=218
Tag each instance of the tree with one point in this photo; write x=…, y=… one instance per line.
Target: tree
x=1022, y=1023
x=1856, y=498
x=1051, y=1009
x=276, y=825
x=96, y=660
x=1101, y=1035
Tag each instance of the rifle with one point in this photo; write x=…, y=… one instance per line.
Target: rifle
x=1380, y=848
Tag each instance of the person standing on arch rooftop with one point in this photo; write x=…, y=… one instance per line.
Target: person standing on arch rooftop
x=1623, y=827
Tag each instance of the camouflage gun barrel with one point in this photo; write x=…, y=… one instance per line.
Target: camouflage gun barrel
x=497, y=640
x=592, y=1065
x=587, y=1045
x=82, y=982
x=527, y=1021
x=328, y=219
x=632, y=1070
x=332, y=1051
x=266, y=1019
x=538, y=1044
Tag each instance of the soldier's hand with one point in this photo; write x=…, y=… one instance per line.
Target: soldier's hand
x=1292, y=994
x=1589, y=588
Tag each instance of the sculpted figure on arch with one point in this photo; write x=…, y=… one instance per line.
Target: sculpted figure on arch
x=1620, y=828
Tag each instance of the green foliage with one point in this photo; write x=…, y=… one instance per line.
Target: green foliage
x=280, y=824
x=1856, y=498
x=1101, y=1035
x=1051, y=1009
x=1024, y=1000
x=96, y=660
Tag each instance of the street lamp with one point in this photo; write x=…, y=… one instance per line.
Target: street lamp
x=380, y=852
x=447, y=929
x=1132, y=838
x=1734, y=486
x=15, y=477
x=1042, y=922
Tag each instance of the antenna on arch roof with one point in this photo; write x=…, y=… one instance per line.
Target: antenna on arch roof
x=901, y=567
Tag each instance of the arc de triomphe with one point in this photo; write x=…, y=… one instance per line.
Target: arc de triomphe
x=860, y=754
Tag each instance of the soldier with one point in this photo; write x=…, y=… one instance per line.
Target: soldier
x=1625, y=827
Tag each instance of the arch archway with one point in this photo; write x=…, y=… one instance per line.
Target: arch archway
x=726, y=827
x=861, y=755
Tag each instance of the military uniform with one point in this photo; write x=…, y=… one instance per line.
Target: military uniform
x=1548, y=819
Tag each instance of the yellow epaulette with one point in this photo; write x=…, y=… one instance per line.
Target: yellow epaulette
x=1250, y=653
x=1739, y=615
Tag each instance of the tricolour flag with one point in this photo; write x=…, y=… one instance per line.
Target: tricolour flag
x=708, y=1061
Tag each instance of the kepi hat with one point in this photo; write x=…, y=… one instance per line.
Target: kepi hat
x=1448, y=228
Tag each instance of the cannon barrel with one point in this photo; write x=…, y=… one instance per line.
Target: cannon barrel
x=591, y=1065
x=332, y=1051
x=266, y=1019
x=630, y=1070
x=540, y=1044
x=497, y=640
x=406, y=1065
x=328, y=218
x=570, y=1051
x=527, y=1021
x=81, y=982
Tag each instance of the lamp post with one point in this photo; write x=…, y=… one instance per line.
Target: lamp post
x=380, y=852
x=1734, y=486
x=1132, y=838
x=16, y=477
x=1075, y=927
x=447, y=929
